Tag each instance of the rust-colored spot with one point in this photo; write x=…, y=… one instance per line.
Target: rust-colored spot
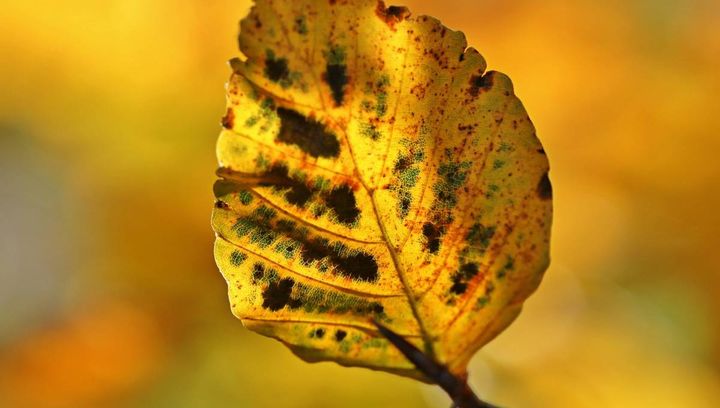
x=228, y=121
x=391, y=15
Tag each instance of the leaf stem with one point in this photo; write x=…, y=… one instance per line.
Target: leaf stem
x=457, y=388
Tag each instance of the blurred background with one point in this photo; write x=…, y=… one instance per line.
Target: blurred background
x=109, y=296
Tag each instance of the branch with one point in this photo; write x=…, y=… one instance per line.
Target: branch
x=457, y=388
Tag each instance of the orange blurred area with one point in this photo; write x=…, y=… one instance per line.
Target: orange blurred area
x=109, y=295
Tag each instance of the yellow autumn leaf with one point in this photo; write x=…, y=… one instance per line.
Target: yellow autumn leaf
x=371, y=169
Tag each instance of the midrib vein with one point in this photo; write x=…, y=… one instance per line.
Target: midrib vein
x=427, y=340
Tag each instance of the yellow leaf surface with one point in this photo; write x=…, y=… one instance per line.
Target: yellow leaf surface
x=372, y=169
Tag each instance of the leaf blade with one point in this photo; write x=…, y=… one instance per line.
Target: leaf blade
x=405, y=169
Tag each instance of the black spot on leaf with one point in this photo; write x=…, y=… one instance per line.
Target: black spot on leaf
x=342, y=202
x=314, y=250
x=307, y=134
x=461, y=278
x=405, y=205
x=391, y=15
x=298, y=194
x=336, y=77
x=377, y=308
x=276, y=69
x=402, y=164
x=397, y=11
x=295, y=303
x=277, y=295
x=357, y=265
x=361, y=266
x=340, y=335
x=258, y=271
x=481, y=83
x=432, y=235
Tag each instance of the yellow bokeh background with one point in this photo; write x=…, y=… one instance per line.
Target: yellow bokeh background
x=109, y=296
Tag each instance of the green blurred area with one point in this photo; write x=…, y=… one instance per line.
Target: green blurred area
x=109, y=295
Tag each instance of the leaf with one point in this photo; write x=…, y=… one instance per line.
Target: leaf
x=371, y=169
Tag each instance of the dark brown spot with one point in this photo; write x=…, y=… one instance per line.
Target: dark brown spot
x=336, y=77
x=359, y=265
x=258, y=271
x=228, y=121
x=277, y=295
x=432, y=235
x=319, y=333
x=314, y=250
x=479, y=84
x=298, y=194
x=405, y=203
x=221, y=204
x=461, y=278
x=342, y=201
x=544, y=188
x=295, y=303
x=340, y=335
x=276, y=70
x=391, y=15
x=402, y=164
x=309, y=135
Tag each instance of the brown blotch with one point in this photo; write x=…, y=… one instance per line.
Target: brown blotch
x=276, y=69
x=298, y=194
x=228, y=121
x=391, y=15
x=432, y=234
x=310, y=136
x=481, y=83
x=359, y=266
x=277, y=295
x=336, y=77
x=342, y=201
x=461, y=278
x=340, y=335
x=544, y=188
